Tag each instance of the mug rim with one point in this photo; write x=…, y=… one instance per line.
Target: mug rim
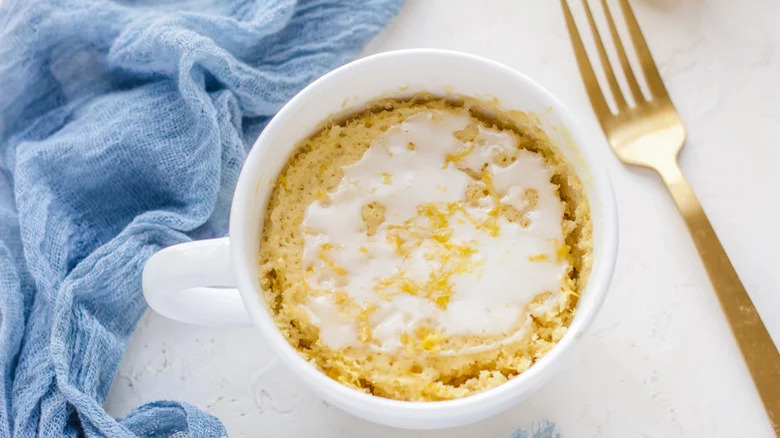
x=504, y=393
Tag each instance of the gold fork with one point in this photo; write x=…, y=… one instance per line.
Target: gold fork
x=650, y=134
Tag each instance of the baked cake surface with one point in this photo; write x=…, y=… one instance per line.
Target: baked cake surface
x=425, y=249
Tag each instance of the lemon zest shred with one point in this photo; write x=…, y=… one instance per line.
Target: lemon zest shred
x=458, y=156
x=337, y=269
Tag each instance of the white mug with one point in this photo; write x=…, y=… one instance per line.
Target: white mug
x=215, y=282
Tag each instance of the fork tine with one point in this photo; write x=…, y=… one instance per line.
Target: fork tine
x=617, y=94
x=627, y=70
x=586, y=70
x=653, y=78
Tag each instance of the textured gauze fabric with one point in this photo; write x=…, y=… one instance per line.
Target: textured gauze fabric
x=123, y=126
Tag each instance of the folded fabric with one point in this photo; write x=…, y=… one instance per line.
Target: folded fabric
x=123, y=126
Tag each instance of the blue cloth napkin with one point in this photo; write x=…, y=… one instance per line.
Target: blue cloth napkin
x=123, y=126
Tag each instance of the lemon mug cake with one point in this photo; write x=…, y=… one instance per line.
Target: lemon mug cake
x=425, y=249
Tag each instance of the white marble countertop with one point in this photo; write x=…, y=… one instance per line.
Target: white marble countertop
x=660, y=360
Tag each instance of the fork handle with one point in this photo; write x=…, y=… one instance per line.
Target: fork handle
x=757, y=348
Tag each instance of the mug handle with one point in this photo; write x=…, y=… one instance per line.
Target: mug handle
x=193, y=283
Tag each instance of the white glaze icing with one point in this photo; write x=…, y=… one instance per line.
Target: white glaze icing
x=489, y=273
